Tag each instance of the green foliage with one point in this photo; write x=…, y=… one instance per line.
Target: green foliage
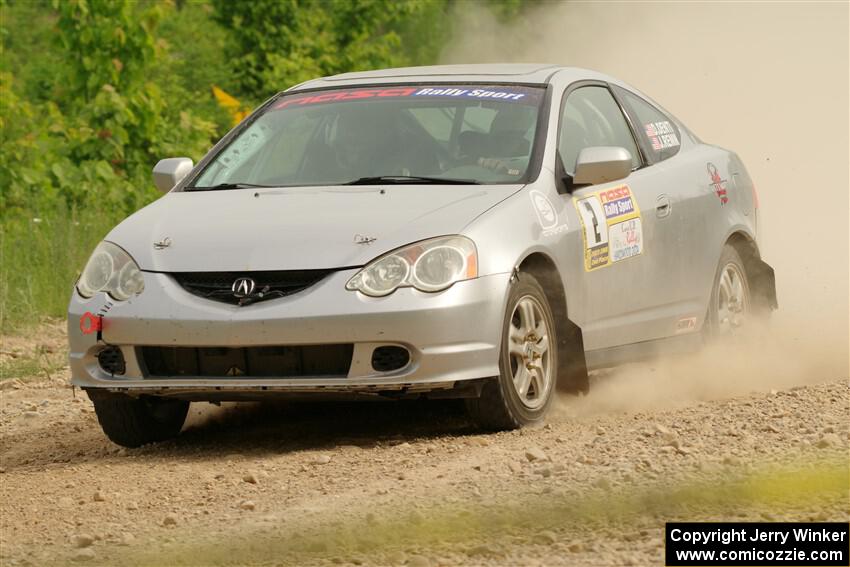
x=507, y=10
x=88, y=147
x=95, y=145
x=111, y=42
x=192, y=67
x=280, y=43
x=94, y=92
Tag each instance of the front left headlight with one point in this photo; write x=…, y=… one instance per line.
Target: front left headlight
x=430, y=265
x=113, y=271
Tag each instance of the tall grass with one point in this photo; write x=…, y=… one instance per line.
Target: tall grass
x=40, y=259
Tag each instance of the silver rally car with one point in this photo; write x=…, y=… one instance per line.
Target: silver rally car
x=487, y=232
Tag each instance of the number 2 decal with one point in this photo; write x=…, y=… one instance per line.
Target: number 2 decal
x=593, y=220
x=612, y=227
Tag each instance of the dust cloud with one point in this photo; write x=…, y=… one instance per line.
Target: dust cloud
x=768, y=80
x=764, y=359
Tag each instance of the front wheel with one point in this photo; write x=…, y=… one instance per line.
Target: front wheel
x=528, y=364
x=133, y=422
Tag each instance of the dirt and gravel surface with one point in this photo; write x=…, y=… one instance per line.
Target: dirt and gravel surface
x=413, y=483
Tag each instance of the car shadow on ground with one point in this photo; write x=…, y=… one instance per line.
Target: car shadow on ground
x=282, y=427
x=245, y=429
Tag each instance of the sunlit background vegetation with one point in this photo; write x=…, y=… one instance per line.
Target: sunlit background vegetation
x=94, y=92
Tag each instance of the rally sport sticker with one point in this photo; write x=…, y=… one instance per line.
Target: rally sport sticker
x=611, y=225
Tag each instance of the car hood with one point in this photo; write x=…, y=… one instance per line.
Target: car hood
x=295, y=228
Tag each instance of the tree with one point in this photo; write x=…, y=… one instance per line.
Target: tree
x=109, y=41
x=278, y=43
x=122, y=121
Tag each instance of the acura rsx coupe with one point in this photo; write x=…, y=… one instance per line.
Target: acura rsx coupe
x=486, y=232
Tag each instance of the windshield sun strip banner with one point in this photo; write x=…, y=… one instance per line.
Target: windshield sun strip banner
x=515, y=94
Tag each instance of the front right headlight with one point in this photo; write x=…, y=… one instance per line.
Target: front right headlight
x=113, y=271
x=431, y=265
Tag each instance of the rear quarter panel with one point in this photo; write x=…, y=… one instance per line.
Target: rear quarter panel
x=717, y=202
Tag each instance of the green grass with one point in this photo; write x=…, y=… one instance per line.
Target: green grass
x=787, y=490
x=42, y=362
x=40, y=259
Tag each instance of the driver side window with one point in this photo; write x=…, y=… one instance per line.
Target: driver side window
x=591, y=117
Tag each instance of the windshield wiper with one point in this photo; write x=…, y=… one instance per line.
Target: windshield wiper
x=410, y=179
x=225, y=186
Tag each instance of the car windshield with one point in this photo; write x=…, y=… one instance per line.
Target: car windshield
x=393, y=134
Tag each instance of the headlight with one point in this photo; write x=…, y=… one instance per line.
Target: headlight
x=430, y=265
x=112, y=270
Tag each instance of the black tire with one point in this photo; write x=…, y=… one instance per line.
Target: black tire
x=500, y=407
x=717, y=327
x=133, y=422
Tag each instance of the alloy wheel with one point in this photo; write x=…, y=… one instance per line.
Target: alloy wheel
x=731, y=299
x=528, y=348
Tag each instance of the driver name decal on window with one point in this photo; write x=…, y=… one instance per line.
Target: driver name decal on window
x=611, y=225
x=661, y=135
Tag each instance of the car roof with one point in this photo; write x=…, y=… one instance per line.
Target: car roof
x=521, y=73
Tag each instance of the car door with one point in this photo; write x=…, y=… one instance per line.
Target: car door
x=690, y=232
x=626, y=229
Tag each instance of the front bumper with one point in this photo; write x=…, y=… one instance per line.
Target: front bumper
x=452, y=336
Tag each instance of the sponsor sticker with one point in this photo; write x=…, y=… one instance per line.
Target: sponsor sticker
x=611, y=225
x=546, y=213
x=661, y=135
x=500, y=94
x=547, y=216
x=625, y=239
x=718, y=184
x=526, y=96
x=686, y=325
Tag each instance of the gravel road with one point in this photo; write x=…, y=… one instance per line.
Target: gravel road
x=412, y=483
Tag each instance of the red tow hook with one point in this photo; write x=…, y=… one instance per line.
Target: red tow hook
x=91, y=323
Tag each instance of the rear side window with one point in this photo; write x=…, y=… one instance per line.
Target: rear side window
x=657, y=133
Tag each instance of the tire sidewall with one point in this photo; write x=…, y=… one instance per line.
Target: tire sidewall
x=728, y=256
x=526, y=285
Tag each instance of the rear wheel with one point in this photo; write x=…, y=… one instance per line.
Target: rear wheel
x=528, y=363
x=730, y=303
x=133, y=422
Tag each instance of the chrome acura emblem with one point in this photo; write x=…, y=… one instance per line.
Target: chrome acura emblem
x=243, y=287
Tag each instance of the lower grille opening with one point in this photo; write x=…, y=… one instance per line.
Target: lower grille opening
x=249, y=362
x=389, y=358
x=111, y=360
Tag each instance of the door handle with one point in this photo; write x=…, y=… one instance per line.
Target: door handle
x=663, y=206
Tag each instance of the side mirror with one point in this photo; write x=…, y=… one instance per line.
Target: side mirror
x=169, y=172
x=601, y=164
